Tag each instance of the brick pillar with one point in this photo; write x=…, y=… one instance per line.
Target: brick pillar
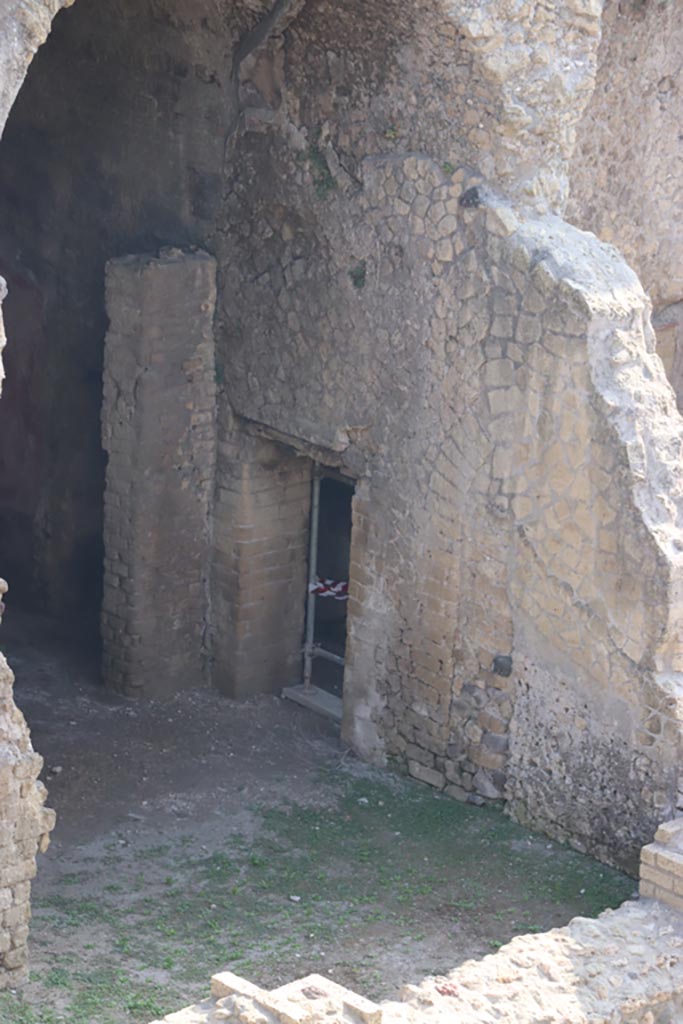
x=158, y=428
x=260, y=566
x=661, y=865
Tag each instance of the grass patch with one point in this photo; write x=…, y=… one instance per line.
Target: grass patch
x=387, y=865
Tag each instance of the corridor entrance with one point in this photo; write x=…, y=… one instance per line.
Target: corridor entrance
x=327, y=597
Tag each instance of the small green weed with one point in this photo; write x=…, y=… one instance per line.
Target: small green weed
x=323, y=179
x=358, y=274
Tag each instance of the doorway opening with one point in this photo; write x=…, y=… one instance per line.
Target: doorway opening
x=329, y=562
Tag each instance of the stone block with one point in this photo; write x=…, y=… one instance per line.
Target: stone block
x=428, y=775
x=661, y=879
x=669, y=860
x=484, y=785
x=670, y=833
x=457, y=792
x=669, y=899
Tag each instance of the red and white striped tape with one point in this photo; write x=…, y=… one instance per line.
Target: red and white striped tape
x=336, y=589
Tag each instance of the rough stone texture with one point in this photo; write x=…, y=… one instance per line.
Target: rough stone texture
x=24, y=26
x=259, y=566
x=627, y=169
x=668, y=325
x=526, y=135
x=521, y=353
x=623, y=968
x=159, y=431
x=24, y=827
x=486, y=377
x=661, y=865
x=364, y=175
x=25, y=823
x=626, y=967
x=130, y=153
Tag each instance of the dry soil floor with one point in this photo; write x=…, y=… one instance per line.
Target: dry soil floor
x=202, y=833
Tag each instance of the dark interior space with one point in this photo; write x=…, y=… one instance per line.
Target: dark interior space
x=112, y=147
x=334, y=552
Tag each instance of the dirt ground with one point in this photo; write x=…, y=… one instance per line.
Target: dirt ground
x=203, y=833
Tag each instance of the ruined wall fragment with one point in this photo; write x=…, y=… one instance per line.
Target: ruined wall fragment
x=24, y=829
x=25, y=824
x=159, y=432
x=668, y=326
x=627, y=169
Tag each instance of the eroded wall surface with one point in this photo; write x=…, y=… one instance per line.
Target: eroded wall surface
x=627, y=169
x=507, y=600
x=489, y=378
x=130, y=153
x=259, y=579
x=159, y=433
x=24, y=828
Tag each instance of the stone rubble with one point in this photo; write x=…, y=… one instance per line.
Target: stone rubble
x=626, y=967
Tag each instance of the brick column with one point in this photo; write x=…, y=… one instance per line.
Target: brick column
x=158, y=428
x=260, y=565
x=661, y=865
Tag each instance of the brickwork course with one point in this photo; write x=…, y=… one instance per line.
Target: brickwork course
x=338, y=233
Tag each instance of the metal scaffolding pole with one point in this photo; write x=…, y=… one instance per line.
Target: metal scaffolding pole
x=312, y=575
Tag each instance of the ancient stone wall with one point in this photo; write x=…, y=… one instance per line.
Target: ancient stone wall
x=661, y=865
x=496, y=595
x=25, y=823
x=668, y=325
x=24, y=829
x=378, y=306
x=627, y=169
x=133, y=150
x=261, y=524
x=159, y=432
x=486, y=373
